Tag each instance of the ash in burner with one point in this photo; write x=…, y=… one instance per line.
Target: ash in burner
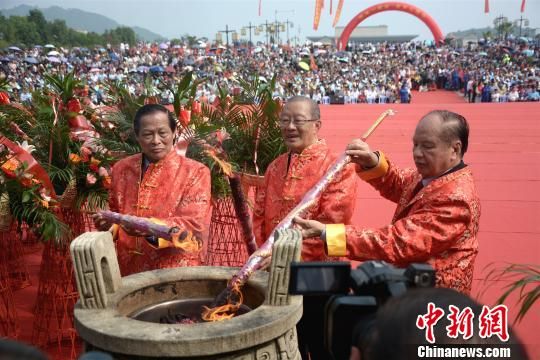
x=183, y=311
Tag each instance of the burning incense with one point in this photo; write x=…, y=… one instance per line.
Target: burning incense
x=183, y=239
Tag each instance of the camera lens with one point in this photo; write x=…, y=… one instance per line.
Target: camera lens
x=423, y=280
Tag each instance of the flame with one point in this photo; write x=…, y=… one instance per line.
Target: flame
x=226, y=311
x=186, y=241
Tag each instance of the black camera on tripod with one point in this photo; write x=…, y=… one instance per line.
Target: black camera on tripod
x=350, y=299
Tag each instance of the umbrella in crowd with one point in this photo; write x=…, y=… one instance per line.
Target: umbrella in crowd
x=53, y=53
x=156, y=69
x=54, y=60
x=14, y=48
x=50, y=46
x=31, y=60
x=163, y=46
x=303, y=65
x=8, y=58
x=142, y=69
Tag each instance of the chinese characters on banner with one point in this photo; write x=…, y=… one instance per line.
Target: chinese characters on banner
x=491, y=322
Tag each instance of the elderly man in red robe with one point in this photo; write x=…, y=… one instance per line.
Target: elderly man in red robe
x=162, y=185
x=438, y=210
x=291, y=175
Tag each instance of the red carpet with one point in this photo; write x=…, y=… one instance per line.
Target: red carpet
x=504, y=154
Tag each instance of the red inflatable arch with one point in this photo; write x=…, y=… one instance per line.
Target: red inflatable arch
x=389, y=6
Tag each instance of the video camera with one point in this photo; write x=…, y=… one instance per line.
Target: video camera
x=350, y=299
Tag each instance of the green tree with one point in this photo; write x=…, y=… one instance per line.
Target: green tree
x=36, y=17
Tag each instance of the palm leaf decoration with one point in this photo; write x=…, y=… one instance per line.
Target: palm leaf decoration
x=524, y=279
x=26, y=206
x=242, y=130
x=64, y=86
x=255, y=137
x=117, y=135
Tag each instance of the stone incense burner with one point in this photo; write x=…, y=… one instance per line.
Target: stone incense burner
x=109, y=306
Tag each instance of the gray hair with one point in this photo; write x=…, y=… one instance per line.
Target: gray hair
x=314, y=107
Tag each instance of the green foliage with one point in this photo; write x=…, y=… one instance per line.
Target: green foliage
x=34, y=29
x=122, y=34
x=255, y=129
x=237, y=129
x=64, y=86
x=26, y=207
x=523, y=279
x=184, y=91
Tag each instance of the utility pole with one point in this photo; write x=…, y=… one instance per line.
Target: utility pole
x=227, y=31
x=521, y=21
x=276, y=28
x=498, y=22
x=287, y=22
x=266, y=31
x=250, y=43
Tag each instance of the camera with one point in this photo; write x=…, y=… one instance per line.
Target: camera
x=348, y=299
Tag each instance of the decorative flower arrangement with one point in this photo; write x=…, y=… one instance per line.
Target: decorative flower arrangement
x=25, y=194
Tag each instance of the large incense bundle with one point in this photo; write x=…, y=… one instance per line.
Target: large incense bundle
x=242, y=212
x=255, y=261
x=141, y=225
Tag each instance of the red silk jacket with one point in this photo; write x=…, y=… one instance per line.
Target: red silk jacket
x=437, y=225
x=175, y=190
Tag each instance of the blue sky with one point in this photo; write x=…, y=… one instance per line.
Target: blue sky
x=173, y=18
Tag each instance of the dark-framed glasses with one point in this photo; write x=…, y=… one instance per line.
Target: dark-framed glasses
x=296, y=122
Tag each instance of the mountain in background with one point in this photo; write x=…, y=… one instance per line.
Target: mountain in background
x=81, y=20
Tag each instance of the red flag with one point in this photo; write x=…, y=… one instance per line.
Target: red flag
x=522, y=5
x=260, y=6
x=338, y=13
x=330, y=7
x=486, y=6
x=317, y=18
x=313, y=64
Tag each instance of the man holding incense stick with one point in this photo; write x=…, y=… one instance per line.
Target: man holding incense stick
x=291, y=175
x=158, y=184
x=438, y=210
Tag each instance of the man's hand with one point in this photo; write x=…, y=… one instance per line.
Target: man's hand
x=100, y=223
x=310, y=228
x=361, y=154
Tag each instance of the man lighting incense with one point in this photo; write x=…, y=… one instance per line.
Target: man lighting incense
x=438, y=209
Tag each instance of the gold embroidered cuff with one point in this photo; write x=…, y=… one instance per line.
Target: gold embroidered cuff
x=336, y=241
x=377, y=171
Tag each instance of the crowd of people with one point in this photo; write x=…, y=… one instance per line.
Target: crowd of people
x=369, y=73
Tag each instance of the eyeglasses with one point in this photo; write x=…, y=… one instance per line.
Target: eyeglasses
x=296, y=122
